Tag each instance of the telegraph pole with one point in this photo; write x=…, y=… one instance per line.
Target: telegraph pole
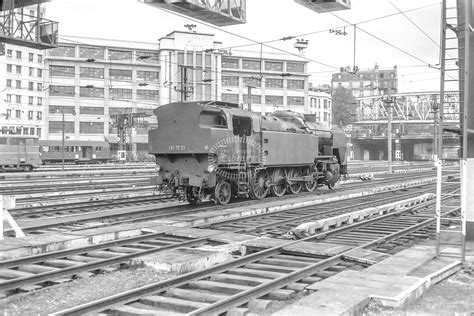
x=63, y=139
x=389, y=128
x=249, y=99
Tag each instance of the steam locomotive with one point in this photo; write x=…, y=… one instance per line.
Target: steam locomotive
x=214, y=149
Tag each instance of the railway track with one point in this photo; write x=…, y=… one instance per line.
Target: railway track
x=22, y=189
x=37, y=271
x=267, y=274
x=92, y=218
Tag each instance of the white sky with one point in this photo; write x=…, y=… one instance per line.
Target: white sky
x=274, y=19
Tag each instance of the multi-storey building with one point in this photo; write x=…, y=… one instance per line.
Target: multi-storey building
x=364, y=83
x=22, y=88
x=91, y=79
x=277, y=83
x=320, y=104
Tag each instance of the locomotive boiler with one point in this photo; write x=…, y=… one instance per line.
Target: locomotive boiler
x=214, y=149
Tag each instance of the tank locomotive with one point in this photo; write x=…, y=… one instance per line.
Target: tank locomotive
x=216, y=150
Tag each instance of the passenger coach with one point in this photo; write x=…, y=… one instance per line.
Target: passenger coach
x=19, y=152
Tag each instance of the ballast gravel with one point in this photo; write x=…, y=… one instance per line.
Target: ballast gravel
x=66, y=295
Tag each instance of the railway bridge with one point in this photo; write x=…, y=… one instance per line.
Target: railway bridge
x=414, y=118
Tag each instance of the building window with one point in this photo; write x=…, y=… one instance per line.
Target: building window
x=17, y=113
x=18, y=84
x=30, y=71
x=18, y=69
x=9, y=53
x=295, y=101
x=40, y=58
x=18, y=54
x=295, y=84
x=40, y=72
x=30, y=100
x=114, y=110
x=9, y=83
x=120, y=54
x=9, y=68
x=31, y=86
x=66, y=91
x=294, y=66
x=251, y=64
x=255, y=99
x=91, y=52
x=325, y=104
x=274, y=99
x=40, y=101
x=147, y=94
x=252, y=81
x=63, y=51
x=230, y=97
x=230, y=63
x=9, y=98
x=39, y=86
x=273, y=83
x=339, y=76
x=55, y=109
x=18, y=99
x=91, y=127
x=25, y=130
x=31, y=57
x=148, y=56
x=30, y=115
x=39, y=115
x=273, y=65
x=56, y=127
x=122, y=74
x=361, y=84
x=91, y=92
x=148, y=75
x=116, y=93
x=32, y=130
x=38, y=132
x=231, y=81
x=93, y=110
x=91, y=72
x=9, y=114
x=60, y=71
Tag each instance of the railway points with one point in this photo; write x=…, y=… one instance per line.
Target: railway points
x=203, y=236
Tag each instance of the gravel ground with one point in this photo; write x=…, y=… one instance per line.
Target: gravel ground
x=453, y=296
x=70, y=294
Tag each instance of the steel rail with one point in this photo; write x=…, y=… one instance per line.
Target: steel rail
x=242, y=297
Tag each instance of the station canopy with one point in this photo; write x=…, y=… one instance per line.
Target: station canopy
x=217, y=12
x=322, y=6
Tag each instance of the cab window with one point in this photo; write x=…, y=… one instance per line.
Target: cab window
x=242, y=126
x=212, y=119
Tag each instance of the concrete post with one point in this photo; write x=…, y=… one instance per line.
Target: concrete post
x=468, y=135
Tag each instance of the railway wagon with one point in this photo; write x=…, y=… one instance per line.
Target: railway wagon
x=19, y=152
x=75, y=151
x=214, y=149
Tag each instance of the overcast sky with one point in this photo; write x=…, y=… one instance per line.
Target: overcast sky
x=274, y=19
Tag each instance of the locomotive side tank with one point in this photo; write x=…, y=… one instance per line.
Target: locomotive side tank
x=215, y=149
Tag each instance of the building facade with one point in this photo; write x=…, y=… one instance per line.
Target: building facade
x=22, y=96
x=365, y=83
x=320, y=104
x=276, y=83
x=79, y=86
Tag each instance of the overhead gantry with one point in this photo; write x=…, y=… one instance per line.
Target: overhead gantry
x=18, y=27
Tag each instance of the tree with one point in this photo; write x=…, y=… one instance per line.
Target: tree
x=344, y=107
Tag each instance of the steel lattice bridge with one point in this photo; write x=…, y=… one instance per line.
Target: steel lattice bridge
x=418, y=107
